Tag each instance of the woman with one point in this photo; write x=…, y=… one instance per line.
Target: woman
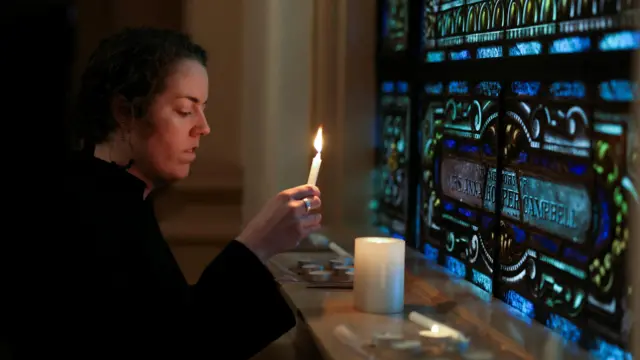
x=141, y=102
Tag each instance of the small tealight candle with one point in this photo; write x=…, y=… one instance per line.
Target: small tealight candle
x=410, y=345
x=320, y=275
x=478, y=355
x=341, y=270
x=435, y=332
x=347, y=261
x=340, y=262
x=304, y=261
x=349, y=275
x=435, y=329
x=385, y=339
x=311, y=267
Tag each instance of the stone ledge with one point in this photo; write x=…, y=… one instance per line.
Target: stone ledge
x=491, y=325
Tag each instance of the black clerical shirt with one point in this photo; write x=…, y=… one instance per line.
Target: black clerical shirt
x=119, y=293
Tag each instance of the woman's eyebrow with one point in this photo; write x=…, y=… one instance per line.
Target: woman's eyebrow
x=192, y=98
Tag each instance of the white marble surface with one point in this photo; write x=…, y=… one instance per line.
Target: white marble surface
x=492, y=327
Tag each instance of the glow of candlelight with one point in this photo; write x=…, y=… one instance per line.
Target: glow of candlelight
x=317, y=143
x=317, y=160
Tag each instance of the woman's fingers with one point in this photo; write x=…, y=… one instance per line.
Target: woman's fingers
x=300, y=208
x=309, y=224
x=310, y=220
x=302, y=191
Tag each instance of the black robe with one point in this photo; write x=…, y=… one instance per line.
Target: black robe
x=118, y=292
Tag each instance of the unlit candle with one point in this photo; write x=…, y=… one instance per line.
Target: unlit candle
x=311, y=267
x=320, y=275
x=303, y=262
x=338, y=250
x=341, y=270
x=379, y=282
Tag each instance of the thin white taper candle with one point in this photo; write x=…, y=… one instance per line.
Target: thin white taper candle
x=338, y=250
x=315, y=170
x=317, y=160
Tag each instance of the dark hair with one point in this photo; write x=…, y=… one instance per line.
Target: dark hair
x=133, y=63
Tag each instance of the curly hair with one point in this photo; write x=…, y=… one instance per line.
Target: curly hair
x=133, y=63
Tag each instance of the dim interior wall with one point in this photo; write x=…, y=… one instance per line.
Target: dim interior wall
x=97, y=19
x=218, y=27
x=344, y=103
x=276, y=98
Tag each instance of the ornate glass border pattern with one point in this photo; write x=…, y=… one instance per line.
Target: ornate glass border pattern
x=392, y=164
x=546, y=221
x=615, y=152
x=457, y=30
x=395, y=25
x=458, y=146
x=523, y=154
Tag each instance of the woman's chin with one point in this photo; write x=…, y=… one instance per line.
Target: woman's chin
x=178, y=173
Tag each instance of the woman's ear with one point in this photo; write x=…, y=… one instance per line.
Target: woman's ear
x=122, y=111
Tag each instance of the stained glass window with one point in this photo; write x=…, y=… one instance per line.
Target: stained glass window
x=392, y=161
x=456, y=30
x=523, y=106
x=615, y=152
x=546, y=212
x=395, y=25
x=459, y=138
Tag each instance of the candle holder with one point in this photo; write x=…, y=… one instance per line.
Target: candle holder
x=341, y=270
x=305, y=261
x=343, y=261
x=320, y=275
x=379, y=280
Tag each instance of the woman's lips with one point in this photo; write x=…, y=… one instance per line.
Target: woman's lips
x=191, y=154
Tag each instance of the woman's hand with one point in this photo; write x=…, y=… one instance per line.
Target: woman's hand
x=283, y=222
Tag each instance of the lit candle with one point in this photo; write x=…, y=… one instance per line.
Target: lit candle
x=379, y=277
x=436, y=329
x=317, y=160
x=435, y=332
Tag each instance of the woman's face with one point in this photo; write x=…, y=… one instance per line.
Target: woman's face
x=165, y=144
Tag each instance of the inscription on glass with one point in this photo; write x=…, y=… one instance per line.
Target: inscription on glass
x=562, y=210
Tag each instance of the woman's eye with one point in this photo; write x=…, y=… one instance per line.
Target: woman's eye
x=184, y=113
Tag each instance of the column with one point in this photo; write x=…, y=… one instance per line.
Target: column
x=276, y=133
x=344, y=102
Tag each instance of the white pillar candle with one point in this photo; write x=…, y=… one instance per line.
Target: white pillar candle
x=378, y=285
x=317, y=160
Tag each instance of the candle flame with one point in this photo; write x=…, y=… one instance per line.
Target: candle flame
x=435, y=328
x=317, y=143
